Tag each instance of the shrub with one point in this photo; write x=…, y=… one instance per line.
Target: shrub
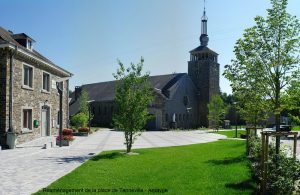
x=283, y=172
x=83, y=130
x=79, y=120
x=255, y=158
x=67, y=132
x=65, y=137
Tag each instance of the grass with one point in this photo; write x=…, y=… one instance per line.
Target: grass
x=213, y=168
x=231, y=133
x=296, y=128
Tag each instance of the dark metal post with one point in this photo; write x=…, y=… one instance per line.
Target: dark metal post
x=295, y=145
x=263, y=181
x=247, y=141
x=235, y=111
x=60, y=91
x=235, y=129
x=89, y=117
x=235, y=122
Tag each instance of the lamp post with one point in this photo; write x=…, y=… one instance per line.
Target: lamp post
x=89, y=102
x=188, y=118
x=59, y=87
x=234, y=103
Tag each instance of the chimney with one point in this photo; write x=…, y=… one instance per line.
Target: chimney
x=77, y=92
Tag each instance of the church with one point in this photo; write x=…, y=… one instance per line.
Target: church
x=180, y=100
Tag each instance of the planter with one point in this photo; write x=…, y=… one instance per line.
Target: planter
x=11, y=140
x=80, y=133
x=64, y=143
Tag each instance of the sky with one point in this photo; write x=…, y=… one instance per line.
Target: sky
x=87, y=37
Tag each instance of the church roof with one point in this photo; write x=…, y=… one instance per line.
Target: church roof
x=203, y=49
x=105, y=91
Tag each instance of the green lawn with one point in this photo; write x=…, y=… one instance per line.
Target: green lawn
x=212, y=168
x=231, y=133
x=296, y=128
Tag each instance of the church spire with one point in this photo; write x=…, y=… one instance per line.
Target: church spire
x=204, y=37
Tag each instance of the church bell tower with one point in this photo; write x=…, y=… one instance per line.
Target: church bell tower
x=204, y=70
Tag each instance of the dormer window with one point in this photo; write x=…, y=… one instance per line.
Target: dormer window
x=24, y=40
x=29, y=44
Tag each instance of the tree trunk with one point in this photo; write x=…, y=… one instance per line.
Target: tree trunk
x=129, y=146
x=277, y=114
x=277, y=122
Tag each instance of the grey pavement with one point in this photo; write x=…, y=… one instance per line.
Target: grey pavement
x=287, y=143
x=29, y=168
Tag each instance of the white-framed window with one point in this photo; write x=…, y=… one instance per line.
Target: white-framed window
x=46, y=81
x=29, y=44
x=27, y=119
x=27, y=76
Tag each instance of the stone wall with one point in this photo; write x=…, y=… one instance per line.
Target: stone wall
x=205, y=75
x=35, y=98
x=103, y=113
x=185, y=118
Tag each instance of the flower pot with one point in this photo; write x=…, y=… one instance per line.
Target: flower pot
x=81, y=134
x=63, y=142
x=11, y=140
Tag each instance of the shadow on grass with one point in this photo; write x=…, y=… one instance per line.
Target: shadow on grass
x=244, y=185
x=112, y=155
x=227, y=161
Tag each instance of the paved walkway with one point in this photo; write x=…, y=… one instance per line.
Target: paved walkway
x=31, y=168
x=286, y=142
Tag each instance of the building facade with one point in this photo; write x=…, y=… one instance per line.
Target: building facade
x=175, y=96
x=29, y=99
x=179, y=98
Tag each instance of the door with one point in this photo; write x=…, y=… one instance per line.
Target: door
x=45, y=124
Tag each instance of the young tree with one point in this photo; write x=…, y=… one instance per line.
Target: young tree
x=83, y=102
x=133, y=96
x=267, y=55
x=292, y=101
x=216, y=112
x=252, y=107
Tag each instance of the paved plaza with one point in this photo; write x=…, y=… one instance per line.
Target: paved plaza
x=31, y=168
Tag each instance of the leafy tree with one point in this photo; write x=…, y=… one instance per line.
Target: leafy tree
x=83, y=102
x=267, y=57
x=292, y=100
x=79, y=120
x=133, y=96
x=228, y=99
x=216, y=112
x=252, y=107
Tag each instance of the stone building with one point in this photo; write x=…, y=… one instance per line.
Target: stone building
x=174, y=94
x=181, y=97
x=29, y=99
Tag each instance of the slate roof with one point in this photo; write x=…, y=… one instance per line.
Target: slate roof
x=105, y=91
x=203, y=49
x=7, y=37
x=22, y=36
